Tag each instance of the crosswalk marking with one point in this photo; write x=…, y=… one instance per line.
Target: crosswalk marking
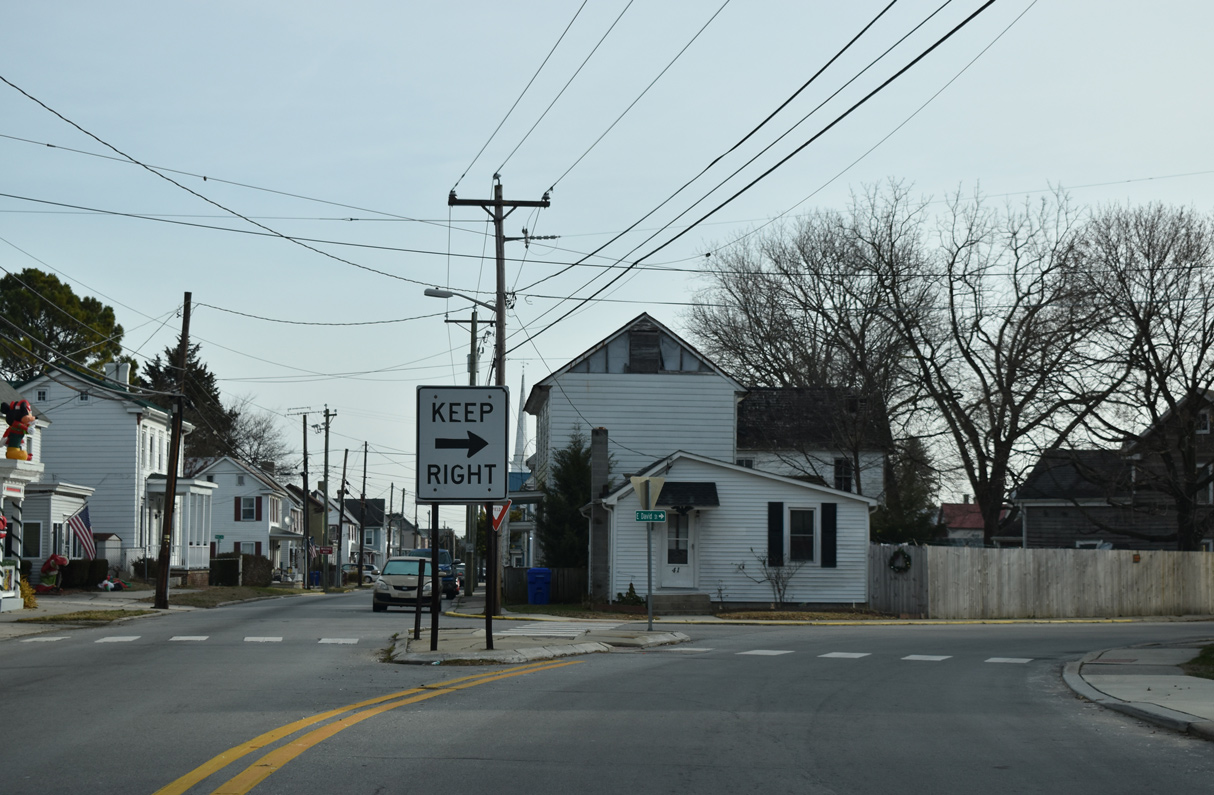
x=1010, y=660
x=847, y=655
x=346, y=641
x=117, y=639
x=190, y=637
x=42, y=639
x=928, y=657
x=766, y=652
x=262, y=640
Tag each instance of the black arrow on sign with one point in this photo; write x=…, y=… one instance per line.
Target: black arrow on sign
x=474, y=444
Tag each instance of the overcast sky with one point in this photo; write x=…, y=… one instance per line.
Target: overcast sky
x=349, y=124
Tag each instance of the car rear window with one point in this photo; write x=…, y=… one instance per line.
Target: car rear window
x=444, y=557
x=402, y=567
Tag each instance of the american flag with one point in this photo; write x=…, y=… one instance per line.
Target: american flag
x=83, y=529
x=311, y=549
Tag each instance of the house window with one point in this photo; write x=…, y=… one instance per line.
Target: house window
x=248, y=548
x=1207, y=544
x=41, y=395
x=31, y=540
x=248, y=509
x=801, y=535
x=369, y=538
x=749, y=463
x=1203, y=421
x=275, y=510
x=843, y=473
x=84, y=398
x=56, y=537
x=160, y=452
x=644, y=352
x=240, y=480
x=1093, y=544
x=210, y=478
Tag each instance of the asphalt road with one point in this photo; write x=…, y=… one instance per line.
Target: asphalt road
x=134, y=707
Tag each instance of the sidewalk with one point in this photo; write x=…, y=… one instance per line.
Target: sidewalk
x=1147, y=683
x=512, y=645
x=73, y=602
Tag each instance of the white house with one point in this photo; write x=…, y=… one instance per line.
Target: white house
x=651, y=389
x=729, y=529
x=254, y=513
x=112, y=440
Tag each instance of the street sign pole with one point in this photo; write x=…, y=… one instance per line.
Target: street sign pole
x=648, y=560
x=648, y=495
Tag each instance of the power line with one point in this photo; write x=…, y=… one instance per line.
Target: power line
x=564, y=87
x=520, y=96
x=787, y=157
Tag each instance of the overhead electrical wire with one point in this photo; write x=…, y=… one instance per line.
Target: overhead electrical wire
x=520, y=96
x=785, y=159
x=192, y=192
x=669, y=198
x=568, y=82
x=638, y=98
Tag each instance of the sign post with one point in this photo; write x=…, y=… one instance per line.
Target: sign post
x=462, y=447
x=648, y=490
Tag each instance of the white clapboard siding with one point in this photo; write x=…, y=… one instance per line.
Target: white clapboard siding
x=95, y=443
x=793, y=463
x=725, y=536
x=647, y=416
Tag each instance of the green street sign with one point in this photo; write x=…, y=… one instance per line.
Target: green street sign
x=218, y=538
x=651, y=516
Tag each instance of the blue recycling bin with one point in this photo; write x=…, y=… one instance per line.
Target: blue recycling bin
x=539, y=586
x=315, y=579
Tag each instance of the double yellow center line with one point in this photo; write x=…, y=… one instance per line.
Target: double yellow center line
x=275, y=759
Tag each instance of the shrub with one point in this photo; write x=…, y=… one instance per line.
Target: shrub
x=76, y=574
x=225, y=571
x=630, y=598
x=151, y=565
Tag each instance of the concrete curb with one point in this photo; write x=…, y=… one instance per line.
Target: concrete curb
x=515, y=656
x=1171, y=719
x=901, y=622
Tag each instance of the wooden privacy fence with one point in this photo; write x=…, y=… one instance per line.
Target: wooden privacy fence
x=979, y=583
x=569, y=586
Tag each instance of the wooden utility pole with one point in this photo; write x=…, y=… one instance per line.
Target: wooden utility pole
x=307, y=510
x=496, y=207
x=324, y=535
x=341, y=515
x=362, y=532
x=161, y=601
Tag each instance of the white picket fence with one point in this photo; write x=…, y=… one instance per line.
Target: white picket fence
x=976, y=583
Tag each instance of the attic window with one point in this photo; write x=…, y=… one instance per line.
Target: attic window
x=41, y=395
x=856, y=404
x=644, y=352
x=84, y=396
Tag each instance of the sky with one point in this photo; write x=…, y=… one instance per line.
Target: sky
x=312, y=147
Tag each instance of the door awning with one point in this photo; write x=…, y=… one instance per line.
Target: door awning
x=684, y=494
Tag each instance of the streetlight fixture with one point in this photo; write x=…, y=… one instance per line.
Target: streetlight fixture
x=435, y=292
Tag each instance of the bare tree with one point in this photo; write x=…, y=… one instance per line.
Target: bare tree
x=257, y=437
x=778, y=578
x=1153, y=270
x=1000, y=331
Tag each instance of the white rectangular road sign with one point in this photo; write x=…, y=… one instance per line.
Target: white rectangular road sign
x=462, y=443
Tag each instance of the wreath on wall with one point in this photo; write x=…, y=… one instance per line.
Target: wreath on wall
x=900, y=561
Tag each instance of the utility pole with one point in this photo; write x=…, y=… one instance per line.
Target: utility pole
x=170, y=486
x=496, y=207
x=307, y=506
x=470, y=516
x=341, y=515
x=362, y=532
x=388, y=517
x=325, y=523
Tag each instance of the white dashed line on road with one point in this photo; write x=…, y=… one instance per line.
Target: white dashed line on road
x=928, y=657
x=1010, y=660
x=847, y=655
x=118, y=639
x=263, y=640
x=190, y=637
x=766, y=652
x=44, y=640
x=345, y=641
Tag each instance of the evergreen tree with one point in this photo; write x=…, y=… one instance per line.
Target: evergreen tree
x=45, y=319
x=563, y=532
x=214, y=424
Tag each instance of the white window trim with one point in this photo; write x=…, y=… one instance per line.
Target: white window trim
x=817, y=511
x=1203, y=421
x=249, y=505
x=1087, y=544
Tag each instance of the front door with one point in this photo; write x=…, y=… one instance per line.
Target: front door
x=678, y=556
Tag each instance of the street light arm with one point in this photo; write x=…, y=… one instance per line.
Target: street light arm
x=435, y=292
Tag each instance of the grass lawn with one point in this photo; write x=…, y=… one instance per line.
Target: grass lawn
x=85, y=616
x=804, y=615
x=1202, y=665
x=219, y=594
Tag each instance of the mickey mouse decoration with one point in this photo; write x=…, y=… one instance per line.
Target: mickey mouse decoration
x=20, y=418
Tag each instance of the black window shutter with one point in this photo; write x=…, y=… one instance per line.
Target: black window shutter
x=775, y=534
x=830, y=535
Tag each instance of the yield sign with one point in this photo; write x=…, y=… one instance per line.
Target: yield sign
x=499, y=514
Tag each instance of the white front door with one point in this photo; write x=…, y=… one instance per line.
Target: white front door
x=678, y=555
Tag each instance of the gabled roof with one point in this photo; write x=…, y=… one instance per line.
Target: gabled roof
x=208, y=464
x=375, y=511
x=10, y=395
x=1207, y=401
x=658, y=467
x=643, y=321
x=1078, y=475
x=802, y=418
x=109, y=387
